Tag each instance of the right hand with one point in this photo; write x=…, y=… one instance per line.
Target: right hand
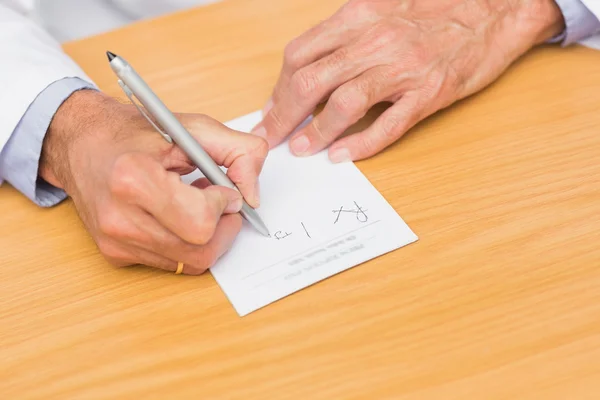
x=124, y=179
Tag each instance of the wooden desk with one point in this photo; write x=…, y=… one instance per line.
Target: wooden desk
x=500, y=298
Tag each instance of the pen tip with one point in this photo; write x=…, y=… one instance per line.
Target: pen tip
x=264, y=230
x=110, y=55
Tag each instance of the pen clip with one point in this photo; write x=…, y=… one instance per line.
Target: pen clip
x=130, y=95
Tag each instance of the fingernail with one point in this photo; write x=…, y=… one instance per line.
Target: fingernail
x=267, y=107
x=235, y=205
x=339, y=155
x=300, y=145
x=260, y=131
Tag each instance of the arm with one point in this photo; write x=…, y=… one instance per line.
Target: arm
x=20, y=158
x=59, y=138
x=37, y=77
x=419, y=56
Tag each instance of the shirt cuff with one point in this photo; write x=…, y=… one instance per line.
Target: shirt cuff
x=580, y=22
x=19, y=160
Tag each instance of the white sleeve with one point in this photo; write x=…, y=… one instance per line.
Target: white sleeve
x=30, y=60
x=594, y=7
x=24, y=7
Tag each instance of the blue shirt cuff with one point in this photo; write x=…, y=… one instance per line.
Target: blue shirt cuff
x=19, y=160
x=580, y=22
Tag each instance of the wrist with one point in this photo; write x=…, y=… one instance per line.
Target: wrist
x=540, y=19
x=72, y=122
x=513, y=25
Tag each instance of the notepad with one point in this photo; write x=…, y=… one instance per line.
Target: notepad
x=324, y=218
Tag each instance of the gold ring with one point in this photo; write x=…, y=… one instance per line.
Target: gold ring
x=179, y=268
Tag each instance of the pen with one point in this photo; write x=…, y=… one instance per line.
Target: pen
x=173, y=131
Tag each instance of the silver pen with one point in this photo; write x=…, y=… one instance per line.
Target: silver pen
x=173, y=131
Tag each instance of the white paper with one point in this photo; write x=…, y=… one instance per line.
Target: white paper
x=324, y=218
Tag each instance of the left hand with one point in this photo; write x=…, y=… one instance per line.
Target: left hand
x=420, y=55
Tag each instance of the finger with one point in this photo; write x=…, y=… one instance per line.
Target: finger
x=347, y=104
x=202, y=208
x=151, y=259
x=140, y=256
x=196, y=258
x=190, y=213
x=242, y=154
x=204, y=183
x=121, y=254
x=386, y=129
x=307, y=87
x=149, y=236
x=225, y=235
x=315, y=43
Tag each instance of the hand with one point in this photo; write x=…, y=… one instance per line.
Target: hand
x=124, y=179
x=419, y=55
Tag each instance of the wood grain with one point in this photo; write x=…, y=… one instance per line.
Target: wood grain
x=499, y=299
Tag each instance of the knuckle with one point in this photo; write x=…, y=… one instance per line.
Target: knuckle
x=206, y=225
x=122, y=181
x=304, y=83
x=111, y=252
x=342, y=102
x=429, y=95
x=384, y=36
x=291, y=55
x=203, y=235
x=365, y=144
x=318, y=133
x=161, y=242
x=436, y=75
x=259, y=147
x=349, y=101
x=205, y=259
x=417, y=57
x=360, y=9
x=197, y=121
x=338, y=59
x=110, y=223
x=276, y=120
x=391, y=127
x=203, y=119
x=456, y=79
x=239, y=176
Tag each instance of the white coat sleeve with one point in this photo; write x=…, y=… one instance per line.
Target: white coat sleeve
x=30, y=61
x=581, y=23
x=594, y=7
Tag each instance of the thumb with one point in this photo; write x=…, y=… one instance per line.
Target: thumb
x=223, y=200
x=241, y=153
